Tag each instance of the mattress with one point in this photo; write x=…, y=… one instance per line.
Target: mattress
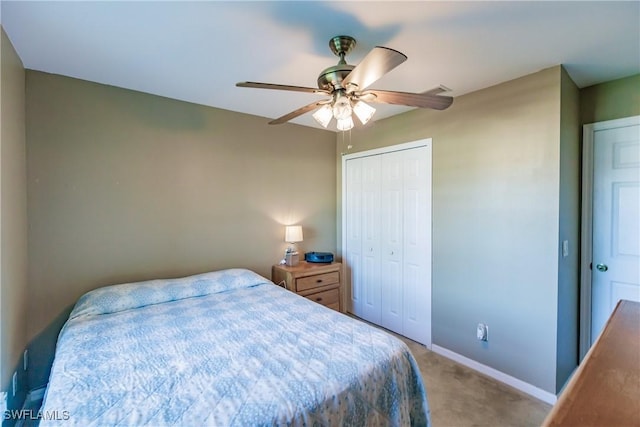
x=226, y=348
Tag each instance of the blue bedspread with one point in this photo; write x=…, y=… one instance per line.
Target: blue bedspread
x=227, y=348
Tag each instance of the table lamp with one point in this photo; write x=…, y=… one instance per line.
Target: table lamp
x=292, y=235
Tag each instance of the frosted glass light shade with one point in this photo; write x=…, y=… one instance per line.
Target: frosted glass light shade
x=293, y=233
x=345, y=124
x=323, y=115
x=363, y=111
x=341, y=107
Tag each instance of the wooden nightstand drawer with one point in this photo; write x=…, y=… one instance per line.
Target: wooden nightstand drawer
x=310, y=282
x=318, y=282
x=330, y=298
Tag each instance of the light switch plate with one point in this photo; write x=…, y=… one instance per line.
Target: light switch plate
x=14, y=384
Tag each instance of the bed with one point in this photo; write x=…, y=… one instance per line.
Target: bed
x=226, y=348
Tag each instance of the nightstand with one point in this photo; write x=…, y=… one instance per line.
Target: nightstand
x=320, y=283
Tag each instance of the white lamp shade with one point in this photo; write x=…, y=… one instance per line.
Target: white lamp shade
x=345, y=124
x=363, y=111
x=341, y=107
x=293, y=233
x=323, y=115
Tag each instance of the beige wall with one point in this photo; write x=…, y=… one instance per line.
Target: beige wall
x=569, y=230
x=611, y=100
x=13, y=209
x=127, y=186
x=496, y=187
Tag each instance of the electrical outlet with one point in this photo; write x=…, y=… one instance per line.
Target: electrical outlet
x=14, y=383
x=482, y=332
x=25, y=359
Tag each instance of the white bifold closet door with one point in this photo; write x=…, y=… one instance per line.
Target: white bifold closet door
x=387, y=229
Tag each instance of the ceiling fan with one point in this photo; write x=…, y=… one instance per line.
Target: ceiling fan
x=346, y=86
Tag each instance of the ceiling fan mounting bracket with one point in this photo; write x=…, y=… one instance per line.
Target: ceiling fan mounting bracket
x=342, y=45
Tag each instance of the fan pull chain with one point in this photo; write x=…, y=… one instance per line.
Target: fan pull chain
x=349, y=146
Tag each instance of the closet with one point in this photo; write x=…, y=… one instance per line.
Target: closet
x=386, y=223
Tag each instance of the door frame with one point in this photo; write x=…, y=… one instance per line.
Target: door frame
x=426, y=142
x=586, y=232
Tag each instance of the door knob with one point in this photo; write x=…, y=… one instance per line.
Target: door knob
x=602, y=267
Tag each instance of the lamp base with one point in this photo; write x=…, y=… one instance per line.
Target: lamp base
x=291, y=259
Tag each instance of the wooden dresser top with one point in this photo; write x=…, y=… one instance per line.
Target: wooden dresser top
x=605, y=389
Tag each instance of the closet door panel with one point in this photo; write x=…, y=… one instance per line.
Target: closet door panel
x=416, y=246
x=411, y=282
x=371, y=296
x=353, y=233
x=391, y=215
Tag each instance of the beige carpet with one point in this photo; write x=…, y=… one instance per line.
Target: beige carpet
x=460, y=397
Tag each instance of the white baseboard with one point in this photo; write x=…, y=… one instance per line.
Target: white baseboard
x=531, y=390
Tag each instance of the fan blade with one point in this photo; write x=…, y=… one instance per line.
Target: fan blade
x=436, y=90
x=378, y=62
x=421, y=100
x=300, y=111
x=281, y=87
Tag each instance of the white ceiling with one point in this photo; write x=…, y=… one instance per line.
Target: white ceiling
x=197, y=51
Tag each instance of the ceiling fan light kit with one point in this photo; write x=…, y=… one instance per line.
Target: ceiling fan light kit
x=364, y=111
x=344, y=124
x=323, y=115
x=345, y=85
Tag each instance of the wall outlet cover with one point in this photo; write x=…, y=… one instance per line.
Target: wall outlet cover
x=482, y=332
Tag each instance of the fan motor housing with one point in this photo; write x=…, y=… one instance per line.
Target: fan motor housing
x=331, y=78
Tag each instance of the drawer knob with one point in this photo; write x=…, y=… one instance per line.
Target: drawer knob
x=319, y=281
x=318, y=299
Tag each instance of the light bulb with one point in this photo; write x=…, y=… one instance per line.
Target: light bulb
x=363, y=111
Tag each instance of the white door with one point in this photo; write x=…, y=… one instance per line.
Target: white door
x=353, y=232
x=392, y=216
x=416, y=265
x=387, y=237
x=370, y=289
x=616, y=221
